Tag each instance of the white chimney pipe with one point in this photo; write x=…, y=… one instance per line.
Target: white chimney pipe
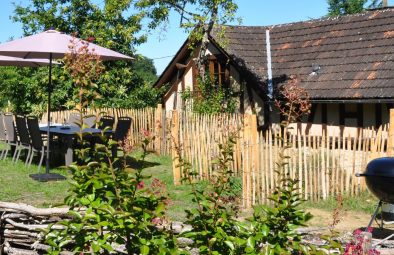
x=269, y=65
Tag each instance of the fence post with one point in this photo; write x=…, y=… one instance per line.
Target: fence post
x=250, y=168
x=256, y=185
x=390, y=142
x=174, y=148
x=158, y=128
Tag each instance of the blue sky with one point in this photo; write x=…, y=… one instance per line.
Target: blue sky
x=159, y=48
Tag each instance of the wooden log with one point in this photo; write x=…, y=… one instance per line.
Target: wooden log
x=33, y=210
x=32, y=226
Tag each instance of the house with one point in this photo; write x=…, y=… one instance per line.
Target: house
x=345, y=63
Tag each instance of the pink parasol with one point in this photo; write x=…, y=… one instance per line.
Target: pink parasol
x=21, y=62
x=52, y=44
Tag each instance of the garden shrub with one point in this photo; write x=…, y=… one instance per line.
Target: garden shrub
x=110, y=207
x=213, y=221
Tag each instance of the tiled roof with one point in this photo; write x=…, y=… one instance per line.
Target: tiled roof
x=355, y=54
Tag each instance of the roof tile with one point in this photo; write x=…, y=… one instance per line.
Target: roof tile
x=355, y=54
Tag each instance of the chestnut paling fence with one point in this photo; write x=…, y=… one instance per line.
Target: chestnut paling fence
x=324, y=165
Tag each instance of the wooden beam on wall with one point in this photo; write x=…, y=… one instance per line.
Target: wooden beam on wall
x=360, y=115
x=378, y=115
x=311, y=118
x=341, y=114
x=324, y=114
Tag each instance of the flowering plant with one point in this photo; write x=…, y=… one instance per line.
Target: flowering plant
x=360, y=244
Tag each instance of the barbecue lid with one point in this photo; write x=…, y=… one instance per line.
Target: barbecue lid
x=382, y=167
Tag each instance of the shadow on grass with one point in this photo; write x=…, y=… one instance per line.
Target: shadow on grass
x=132, y=162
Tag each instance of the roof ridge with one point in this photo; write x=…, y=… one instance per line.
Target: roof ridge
x=321, y=19
x=328, y=18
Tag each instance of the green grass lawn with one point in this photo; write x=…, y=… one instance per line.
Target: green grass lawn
x=17, y=186
x=364, y=202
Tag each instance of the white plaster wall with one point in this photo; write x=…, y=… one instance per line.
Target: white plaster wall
x=334, y=129
x=170, y=102
x=179, y=104
x=175, y=95
x=189, y=79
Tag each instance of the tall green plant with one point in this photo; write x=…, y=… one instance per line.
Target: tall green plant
x=213, y=221
x=110, y=208
x=272, y=228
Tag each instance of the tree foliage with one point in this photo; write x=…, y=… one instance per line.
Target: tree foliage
x=117, y=24
x=112, y=26
x=198, y=17
x=343, y=7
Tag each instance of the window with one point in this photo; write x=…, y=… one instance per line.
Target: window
x=219, y=71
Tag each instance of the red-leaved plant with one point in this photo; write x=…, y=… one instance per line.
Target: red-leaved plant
x=356, y=246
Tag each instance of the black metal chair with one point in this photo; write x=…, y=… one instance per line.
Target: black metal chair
x=24, y=137
x=122, y=128
x=37, y=142
x=121, y=131
x=106, y=122
x=11, y=137
x=75, y=120
x=89, y=121
x=3, y=136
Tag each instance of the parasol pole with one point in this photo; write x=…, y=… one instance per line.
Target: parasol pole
x=49, y=113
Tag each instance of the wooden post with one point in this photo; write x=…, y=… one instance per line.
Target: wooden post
x=176, y=169
x=255, y=166
x=246, y=169
x=158, y=128
x=390, y=142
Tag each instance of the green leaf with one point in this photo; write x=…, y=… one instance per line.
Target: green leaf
x=95, y=247
x=230, y=244
x=144, y=249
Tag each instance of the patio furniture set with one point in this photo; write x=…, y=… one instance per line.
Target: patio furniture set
x=20, y=133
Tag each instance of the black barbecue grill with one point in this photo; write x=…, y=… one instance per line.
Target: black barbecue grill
x=379, y=176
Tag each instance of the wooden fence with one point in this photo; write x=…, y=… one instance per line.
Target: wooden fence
x=324, y=165
x=198, y=137
x=149, y=119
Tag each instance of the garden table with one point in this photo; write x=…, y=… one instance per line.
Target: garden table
x=68, y=134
